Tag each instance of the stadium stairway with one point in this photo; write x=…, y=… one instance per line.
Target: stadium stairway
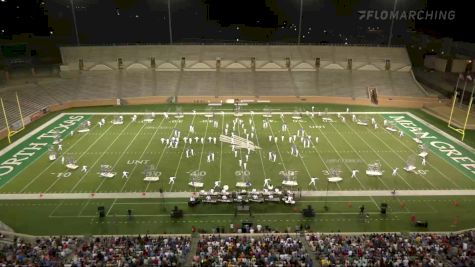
x=192, y=253
x=309, y=250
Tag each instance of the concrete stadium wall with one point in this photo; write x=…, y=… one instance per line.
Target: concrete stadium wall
x=384, y=101
x=203, y=57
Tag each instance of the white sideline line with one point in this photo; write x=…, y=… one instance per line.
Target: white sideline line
x=49, y=165
x=370, y=147
x=30, y=134
x=431, y=165
x=300, y=156
x=228, y=113
x=439, y=131
x=259, y=150
x=100, y=157
x=143, y=153
x=165, y=147
x=157, y=195
x=183, y=150
x=82, y=154
x=122, y=153
x=232, y=214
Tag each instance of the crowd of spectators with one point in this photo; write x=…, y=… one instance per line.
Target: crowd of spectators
x=387, y=249
x=271, y=250
x=395, y=249
x=96, y=251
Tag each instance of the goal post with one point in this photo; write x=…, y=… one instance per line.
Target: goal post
x=11, y=131
x=464, y=127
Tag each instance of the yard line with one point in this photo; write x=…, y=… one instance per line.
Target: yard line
x=143, y=153
x=163, y=152
x=202, y=145
x=221, y=152
x=182, y=151
x=397, y=154
x=278, y=150
x=363, y=159
x=110, y=208
x=387, y=163
x=84, y=207
x=300, y=156
x=122, y=153
x=260, y=153
x=434, y=167
x=98, y=158
x=374, y=201
x=356, y=152
x=54, y=210
x=51, y=164
x=334, y=149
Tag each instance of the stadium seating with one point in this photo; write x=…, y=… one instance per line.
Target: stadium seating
x=235, y=77
x=100, y=251
x=392, y=249
x=378, y=249
x=273, y=250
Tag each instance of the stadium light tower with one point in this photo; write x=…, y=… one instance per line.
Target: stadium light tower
x=170, y=22
x=300, y=21
x=74, y=20
x=392, y=24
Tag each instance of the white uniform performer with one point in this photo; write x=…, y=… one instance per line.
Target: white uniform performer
x=125, y=174
x=401, y=133
x=423, y=161
x=62, y=160
x=84, y=168
x=395, y=171
x=353, y=173
x=171, y=180
x=245, y=165
x=313, y=180
x=266, y=182
x=60, y=147
x=134, y=118
x=103, y=121
x=217, y=184
x=72, y=133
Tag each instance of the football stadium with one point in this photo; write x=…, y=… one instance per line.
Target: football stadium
x=266, y=152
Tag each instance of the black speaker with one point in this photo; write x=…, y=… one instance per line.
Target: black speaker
x=308, y=212
x=384, y=207
x=101, y=211
x=423, y=224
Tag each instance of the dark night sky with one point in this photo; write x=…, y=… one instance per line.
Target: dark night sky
x=131, y=21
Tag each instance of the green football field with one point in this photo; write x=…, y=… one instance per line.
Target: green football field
x=134, y=146
x=26, y=171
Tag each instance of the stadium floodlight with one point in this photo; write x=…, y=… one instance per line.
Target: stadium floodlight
x=392, y=24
